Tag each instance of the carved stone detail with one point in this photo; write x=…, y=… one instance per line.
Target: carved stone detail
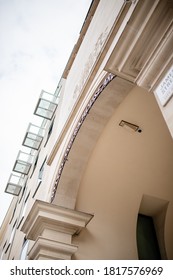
x=143, y=54
x=108, y=79
x=90, y=62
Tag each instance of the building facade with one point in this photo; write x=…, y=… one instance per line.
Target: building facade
x=94, y=179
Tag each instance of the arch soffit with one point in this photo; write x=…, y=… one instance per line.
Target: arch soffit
x=67, y=184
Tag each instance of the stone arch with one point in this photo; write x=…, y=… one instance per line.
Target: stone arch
x=112, y=92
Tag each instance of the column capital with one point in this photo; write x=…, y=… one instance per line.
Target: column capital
x=52, y=228
x=45, y=215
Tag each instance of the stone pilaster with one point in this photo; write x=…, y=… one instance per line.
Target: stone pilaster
x=52, y=228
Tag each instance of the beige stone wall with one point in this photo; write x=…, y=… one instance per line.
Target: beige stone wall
x=92, y=45
x=167, y=112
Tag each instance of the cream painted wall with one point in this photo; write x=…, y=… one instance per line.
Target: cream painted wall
x=124, y=166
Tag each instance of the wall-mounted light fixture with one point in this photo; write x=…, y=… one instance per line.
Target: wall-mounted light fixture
x=130, y=126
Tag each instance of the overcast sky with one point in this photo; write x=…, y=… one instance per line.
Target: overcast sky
x=36, y=39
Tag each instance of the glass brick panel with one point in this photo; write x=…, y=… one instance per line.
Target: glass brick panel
x=13, y=189
x=22, y=167
x=15, y=184
x=46, y=105
x=32, y=141
x=23, y=163
x=45, y=109
x=33, y=137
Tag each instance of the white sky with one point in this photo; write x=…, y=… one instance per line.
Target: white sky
x=36, y=39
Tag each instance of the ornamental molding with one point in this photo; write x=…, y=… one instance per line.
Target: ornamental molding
x=93, y=56
x=143, y=53
x=82, y=118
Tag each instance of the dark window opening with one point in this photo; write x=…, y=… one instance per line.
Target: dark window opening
x=38, y=186
x=13, y=213
x=23, y=191
x=7, y=248
x=40, y=175
x=24, y=209
x=49, y=131
x=35, y=164
x=4, y=245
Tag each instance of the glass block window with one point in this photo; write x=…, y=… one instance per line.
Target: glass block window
x=46, y=105
x=13, y=189
x=33, y=137
x=23, y=163
x=14, y=185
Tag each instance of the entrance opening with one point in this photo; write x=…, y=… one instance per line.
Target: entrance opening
x=148, y=247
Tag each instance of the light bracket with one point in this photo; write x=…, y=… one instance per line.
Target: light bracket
x=131, y=126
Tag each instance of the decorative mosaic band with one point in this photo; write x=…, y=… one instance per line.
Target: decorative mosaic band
x=107, y=80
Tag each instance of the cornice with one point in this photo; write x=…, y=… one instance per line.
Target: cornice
x=143, y=53
x=44, y=215
x=83, y=31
